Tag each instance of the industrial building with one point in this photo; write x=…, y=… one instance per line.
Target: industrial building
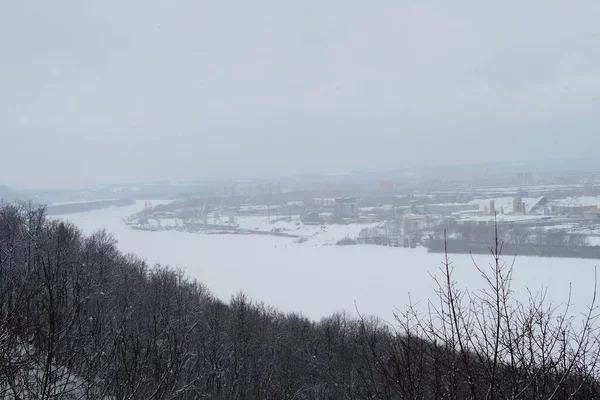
x=345, y=208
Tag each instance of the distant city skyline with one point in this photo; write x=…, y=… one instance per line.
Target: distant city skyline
x=513, y=169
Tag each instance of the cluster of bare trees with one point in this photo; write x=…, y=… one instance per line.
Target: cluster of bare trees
x=81, y=320
x=491, y=346
x=517, y=239
x=541, y=237
x=546, y=238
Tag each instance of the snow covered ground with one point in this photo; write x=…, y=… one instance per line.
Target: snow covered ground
x=320, y=280
x=506, y=203
x=500, y=218
x=314, y=235
x=579, y=201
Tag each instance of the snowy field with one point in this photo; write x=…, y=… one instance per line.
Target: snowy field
x=320, y=280
x=313, y=235
x=506, y=203
x=579, y=201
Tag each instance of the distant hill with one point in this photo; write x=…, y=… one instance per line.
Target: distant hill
x=8, y=194
x=73, y=208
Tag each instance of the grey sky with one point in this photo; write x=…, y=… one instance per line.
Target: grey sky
x=114, y=91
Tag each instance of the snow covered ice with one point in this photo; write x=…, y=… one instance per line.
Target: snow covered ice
x=319, y=280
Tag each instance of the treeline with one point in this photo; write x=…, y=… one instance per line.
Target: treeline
x=461, y=246
x=81, y=320
x=522, y=241
x=513, y=234
x=73, y=208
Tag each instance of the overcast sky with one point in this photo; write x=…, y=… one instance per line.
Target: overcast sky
x=116, y=91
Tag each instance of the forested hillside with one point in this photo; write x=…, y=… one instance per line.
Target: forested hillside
x=81, y=320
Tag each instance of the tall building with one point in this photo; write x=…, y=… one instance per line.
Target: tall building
x=518, y=205
x=525, y=178
x=346, y=207
x=413, y=206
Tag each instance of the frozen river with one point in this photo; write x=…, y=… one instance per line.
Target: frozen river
x=320, y=280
